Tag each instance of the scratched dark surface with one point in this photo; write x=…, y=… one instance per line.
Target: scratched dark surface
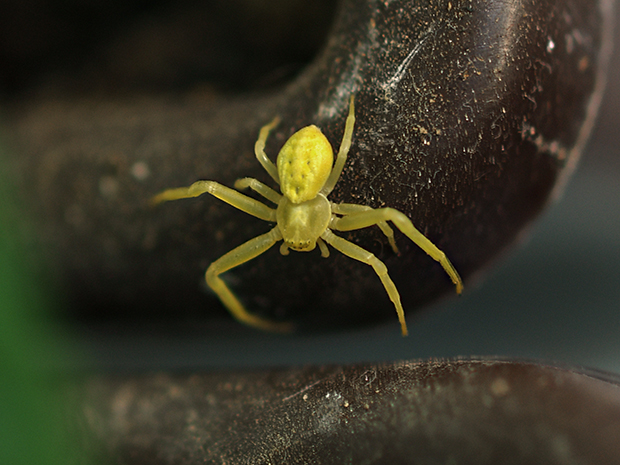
x=467, y=412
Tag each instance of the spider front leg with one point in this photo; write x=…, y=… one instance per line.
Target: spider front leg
x=259, y=187
x=343, y=151
x=259, y=150
x=350, y=208
x=245, y=252
x=356, y=252
x=367, y=218
x=230, y=196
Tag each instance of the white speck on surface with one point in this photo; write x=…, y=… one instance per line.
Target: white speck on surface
x=140, y=170
x=302, y=391
x=500, y=387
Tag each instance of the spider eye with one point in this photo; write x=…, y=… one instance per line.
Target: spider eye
x=302, y=246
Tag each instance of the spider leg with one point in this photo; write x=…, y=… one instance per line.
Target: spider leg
x=259, y=150
x=230, y=196
x=259, y=187
x=356, y=252
x=284, y=249
x=245, y=252
x=322, y=247
x=349, y=208
x=345, y=145
x=367, y=218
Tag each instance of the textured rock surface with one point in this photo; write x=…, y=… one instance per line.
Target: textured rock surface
x=468, y=115
x=466, y=412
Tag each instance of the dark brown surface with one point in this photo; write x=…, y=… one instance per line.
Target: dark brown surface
x=465, y=412
x=467, y=112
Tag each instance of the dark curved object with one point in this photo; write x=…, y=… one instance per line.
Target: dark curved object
x=469, y=113
x=444, y=411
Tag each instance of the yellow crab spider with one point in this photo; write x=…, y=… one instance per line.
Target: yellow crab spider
x=304, y=217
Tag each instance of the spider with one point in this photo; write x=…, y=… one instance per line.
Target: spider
x=304, y=216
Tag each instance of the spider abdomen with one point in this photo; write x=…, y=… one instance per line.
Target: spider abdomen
x=304, y=164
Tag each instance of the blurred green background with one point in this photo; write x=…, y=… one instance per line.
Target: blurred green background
x=34, y=404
